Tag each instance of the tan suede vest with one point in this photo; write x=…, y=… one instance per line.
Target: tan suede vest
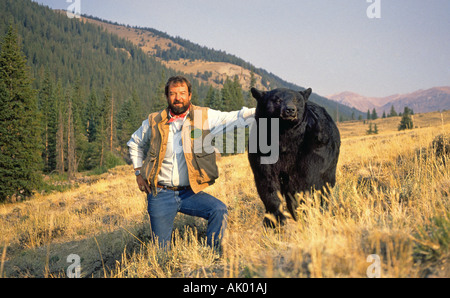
x=200, y=156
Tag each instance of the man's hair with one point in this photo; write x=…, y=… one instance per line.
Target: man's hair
x=178, y=80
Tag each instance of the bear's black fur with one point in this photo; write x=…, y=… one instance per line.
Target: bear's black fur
x=309, y=144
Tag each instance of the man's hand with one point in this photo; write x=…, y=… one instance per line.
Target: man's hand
x=143, y=185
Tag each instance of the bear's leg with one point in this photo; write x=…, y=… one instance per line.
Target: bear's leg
x=292, y=205
x=268, y=185
x=272, y=220
x=274, y=213
x=288, y=190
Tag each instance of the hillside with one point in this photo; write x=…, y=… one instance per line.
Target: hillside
x=154, y=43
x=148, y=41
x=421, y=101
x=215, y=73
x=391, y=199
x=209, y=66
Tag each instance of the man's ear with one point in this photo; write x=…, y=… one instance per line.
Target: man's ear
x=307, y=93
x=257, y=94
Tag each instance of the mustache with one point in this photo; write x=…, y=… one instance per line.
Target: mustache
x=179, y=109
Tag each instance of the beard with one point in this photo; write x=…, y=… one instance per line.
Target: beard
x=179, y=108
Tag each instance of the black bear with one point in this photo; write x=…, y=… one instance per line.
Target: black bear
x=308, y=149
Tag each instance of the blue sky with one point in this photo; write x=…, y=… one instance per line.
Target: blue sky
x=328, y=45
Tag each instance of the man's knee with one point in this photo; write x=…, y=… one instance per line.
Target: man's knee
x=221, y=210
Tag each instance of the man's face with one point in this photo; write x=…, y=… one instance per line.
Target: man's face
x=179, y=98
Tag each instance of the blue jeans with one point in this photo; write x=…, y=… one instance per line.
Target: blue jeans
x=164, y=207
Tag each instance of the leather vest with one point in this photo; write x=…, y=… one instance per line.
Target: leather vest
x=199, y=154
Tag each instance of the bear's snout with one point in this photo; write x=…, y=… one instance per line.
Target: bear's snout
x=290, y=112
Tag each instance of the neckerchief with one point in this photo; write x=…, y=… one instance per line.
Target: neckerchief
x=174, y=117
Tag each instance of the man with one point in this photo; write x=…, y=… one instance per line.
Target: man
x=181, y=161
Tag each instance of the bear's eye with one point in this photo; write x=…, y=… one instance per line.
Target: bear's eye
x=278, y=100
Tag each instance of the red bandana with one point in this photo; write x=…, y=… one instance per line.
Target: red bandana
x=174, y=117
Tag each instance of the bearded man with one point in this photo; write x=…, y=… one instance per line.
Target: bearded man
x=176, y=171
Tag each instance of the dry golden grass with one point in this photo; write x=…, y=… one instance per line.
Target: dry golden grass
x=386, y=126
x=391, y=199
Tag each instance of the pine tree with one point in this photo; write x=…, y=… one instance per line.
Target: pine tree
x=60, y=143
x=372, y=130
x=227, y=94
x=92, y=115
x=195, y=100
x=393, y=113
x=252, y=80
x=106, y=130
x=161, y=101
x=47, y=106
x=374, y=115
x=237, y=100
x=213, y=99
x=250, y=102
x=79, y=125
x=20, y=131
x=232, y=96
x=60, y=162
x=109, y=116
x=71, y=155
x=406, y=122
x=128, y=120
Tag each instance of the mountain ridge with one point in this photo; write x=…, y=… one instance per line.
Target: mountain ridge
x=151, y=42
x=421, y=101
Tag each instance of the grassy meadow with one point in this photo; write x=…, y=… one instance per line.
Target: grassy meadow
x=391, y=200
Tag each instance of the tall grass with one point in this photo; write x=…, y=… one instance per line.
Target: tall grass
x=391, y=199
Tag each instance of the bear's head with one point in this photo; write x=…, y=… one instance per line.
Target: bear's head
x=285, y=104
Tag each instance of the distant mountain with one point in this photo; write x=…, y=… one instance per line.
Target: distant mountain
x=421, y=101
x=356, y=101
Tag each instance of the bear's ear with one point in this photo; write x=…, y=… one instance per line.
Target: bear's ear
x=307, y=93
x=258, y=94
